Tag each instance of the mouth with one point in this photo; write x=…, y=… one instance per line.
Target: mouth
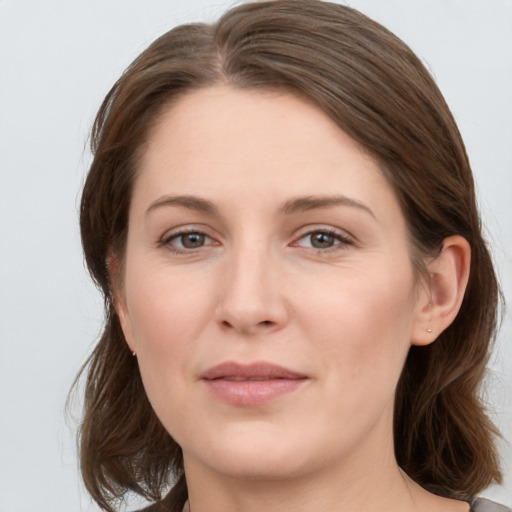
x=251, y=384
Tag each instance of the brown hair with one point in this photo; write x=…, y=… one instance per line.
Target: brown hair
x=372, y=85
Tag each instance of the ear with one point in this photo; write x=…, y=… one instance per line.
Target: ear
x=441, y=297
x=119, y=299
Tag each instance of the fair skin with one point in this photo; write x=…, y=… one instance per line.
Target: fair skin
x=260, y=233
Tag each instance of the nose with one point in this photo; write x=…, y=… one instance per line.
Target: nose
x=252, y=301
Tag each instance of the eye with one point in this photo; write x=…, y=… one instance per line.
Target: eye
x=323, y=239
x=188, y=240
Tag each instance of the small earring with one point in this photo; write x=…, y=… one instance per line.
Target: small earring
x=429, y=305
x=428, y=330
x=134, y=353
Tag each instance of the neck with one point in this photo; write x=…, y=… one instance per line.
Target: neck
x=365, y=479
x=378, y=484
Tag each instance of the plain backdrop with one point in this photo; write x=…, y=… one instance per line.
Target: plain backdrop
x=58, y=58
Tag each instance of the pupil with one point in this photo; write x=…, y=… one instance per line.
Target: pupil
x=193, y=240
x=321, y=240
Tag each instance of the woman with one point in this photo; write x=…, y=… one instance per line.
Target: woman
x=299, y=302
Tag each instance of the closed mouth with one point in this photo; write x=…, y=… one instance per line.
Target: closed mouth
x=257, y=371
x=251, y=384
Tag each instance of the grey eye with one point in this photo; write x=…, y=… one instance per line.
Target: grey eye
x=192, y=240
x=321, y=240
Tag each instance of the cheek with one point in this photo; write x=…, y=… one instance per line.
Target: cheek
x=363, y=324
x=362, y=331
x=166, y=307
x=167, y=313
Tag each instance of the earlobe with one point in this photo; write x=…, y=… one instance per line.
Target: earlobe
x=124, y=320
x=449, y=274
x=119, y=299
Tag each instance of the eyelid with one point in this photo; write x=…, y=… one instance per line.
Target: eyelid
x=178, y=231
x=344, y=237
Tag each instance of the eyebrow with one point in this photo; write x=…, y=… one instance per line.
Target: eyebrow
x=297, y=205
x=303, y=204
x=189, y=202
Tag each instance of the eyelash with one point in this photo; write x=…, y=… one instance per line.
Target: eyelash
x=343, y=240
x=166, y=240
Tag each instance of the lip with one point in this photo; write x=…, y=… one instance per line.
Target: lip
x=251, y=384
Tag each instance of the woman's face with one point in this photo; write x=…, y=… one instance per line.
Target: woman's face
x=268, y=290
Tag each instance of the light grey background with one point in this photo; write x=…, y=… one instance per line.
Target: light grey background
x=58, y=58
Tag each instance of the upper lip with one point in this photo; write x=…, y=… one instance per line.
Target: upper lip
x=260, y=370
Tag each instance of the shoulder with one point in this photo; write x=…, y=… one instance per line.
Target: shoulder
x=484, y=505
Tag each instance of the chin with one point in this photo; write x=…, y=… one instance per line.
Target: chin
x=260, y=452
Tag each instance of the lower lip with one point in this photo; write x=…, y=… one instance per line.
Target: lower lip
x=252, y=392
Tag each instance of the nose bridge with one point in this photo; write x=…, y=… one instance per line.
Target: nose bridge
x=252, y=295
x=254, y=269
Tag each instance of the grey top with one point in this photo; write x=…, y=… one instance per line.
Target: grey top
x=477, y=505
x=483, y=505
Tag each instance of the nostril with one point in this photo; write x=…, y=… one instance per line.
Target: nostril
x=226, y=324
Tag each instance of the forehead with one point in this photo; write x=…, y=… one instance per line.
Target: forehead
x=247, y=145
